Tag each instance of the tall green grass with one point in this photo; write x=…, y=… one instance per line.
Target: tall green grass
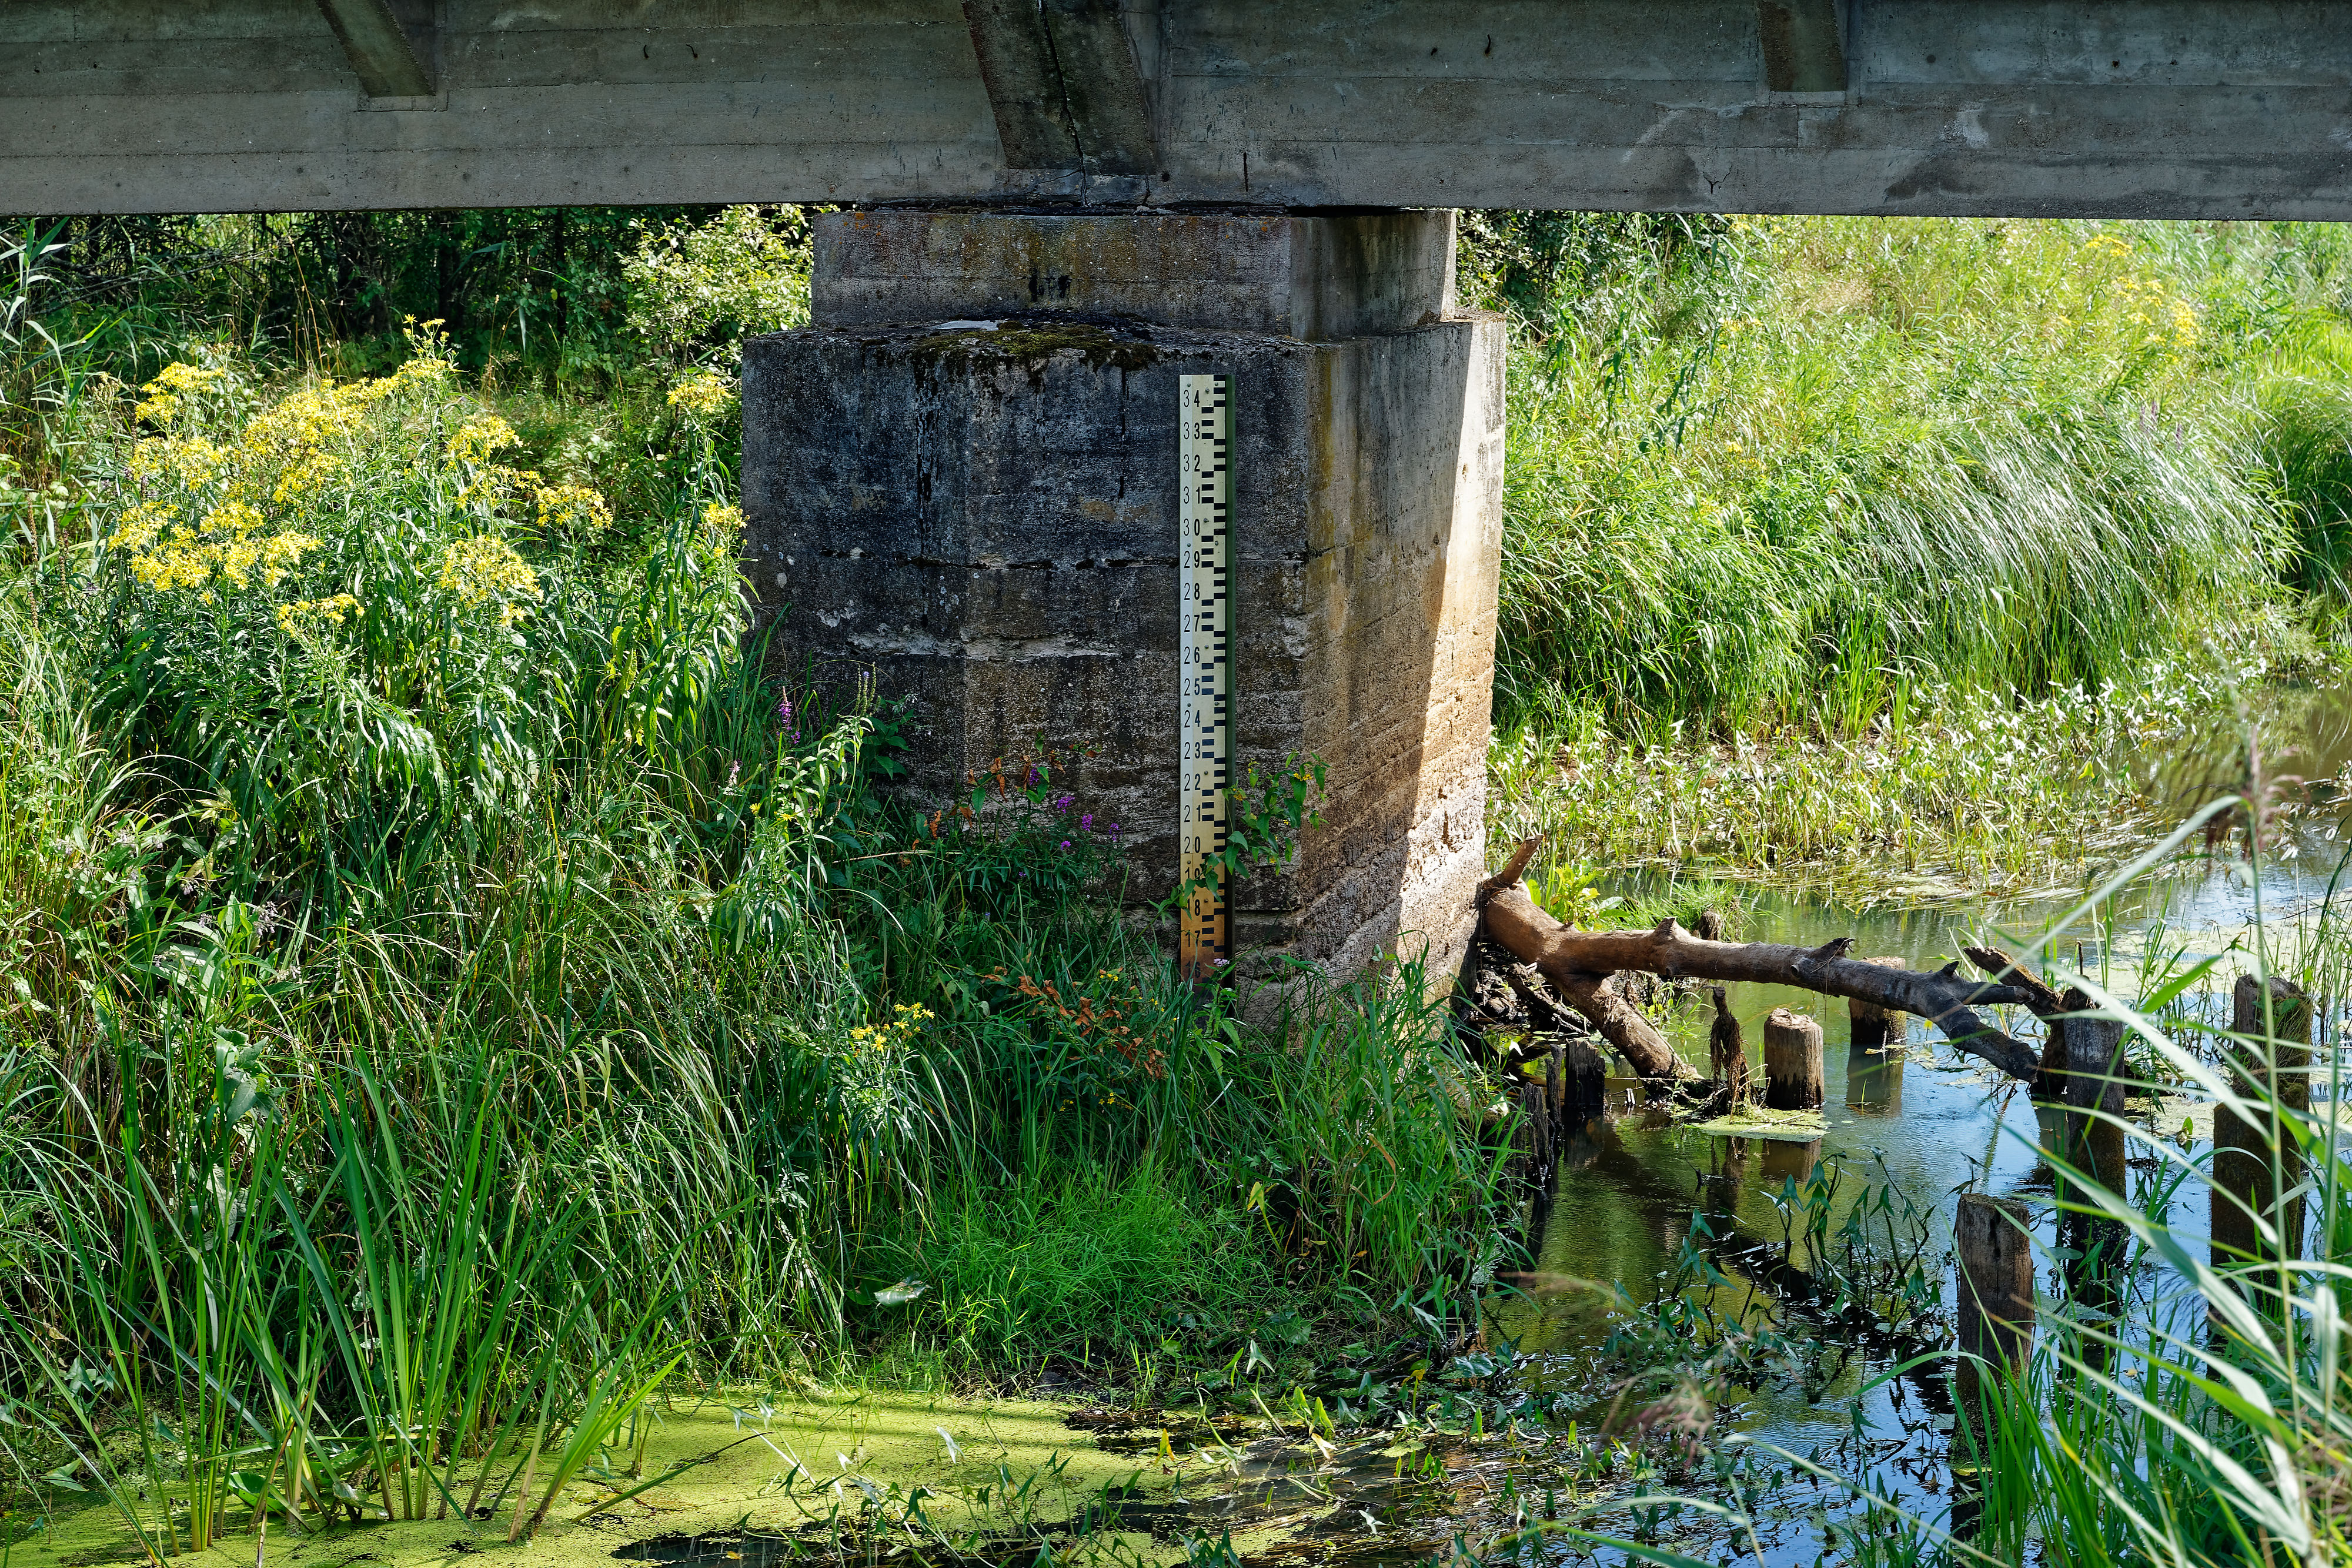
x=2187, y=1402
x=455, y=984
x=1785, y=470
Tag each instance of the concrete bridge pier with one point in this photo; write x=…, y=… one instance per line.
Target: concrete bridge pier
x=961, y=477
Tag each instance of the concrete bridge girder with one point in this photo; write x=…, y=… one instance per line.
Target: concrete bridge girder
x=2219, y=109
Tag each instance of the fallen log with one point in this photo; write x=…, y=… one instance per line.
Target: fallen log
x=1578, y=963
x=2038, y=998
x=2049, y=1079
x=1647, y=1052
x=1617, y=1021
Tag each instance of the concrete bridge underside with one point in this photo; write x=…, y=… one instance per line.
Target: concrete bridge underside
x=961, y=478
x=2218, y=109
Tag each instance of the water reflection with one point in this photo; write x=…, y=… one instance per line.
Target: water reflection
x=1901, y=1102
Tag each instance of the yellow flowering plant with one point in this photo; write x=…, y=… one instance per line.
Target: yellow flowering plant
x=328, y=594
x=355, y=612
x=702, y=395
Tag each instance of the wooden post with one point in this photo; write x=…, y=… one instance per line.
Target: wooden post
x=1727, y=1055
x=2271, y=1058
x=1996, y=1329
x=1996, y=1287
x=1876, y=1051
x=1556, y=1081
x=1792, y=1061
x=1876, y=1029
x=1532, y=1109
x=2093, y=1081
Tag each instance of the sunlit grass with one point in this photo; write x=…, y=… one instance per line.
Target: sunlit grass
x=1783, y=472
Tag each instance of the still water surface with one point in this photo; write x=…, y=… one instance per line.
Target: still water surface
x=1926, y=1119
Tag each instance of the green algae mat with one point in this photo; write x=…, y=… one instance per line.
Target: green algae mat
x=1773, y=1126
x=864, y=1479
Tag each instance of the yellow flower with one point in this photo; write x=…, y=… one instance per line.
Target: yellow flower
x=163, y=394
x=493, y=483
x=487, y=569
x=705, y=394
x=190, y=459
x=479, y=436
x=281, y=552
x=301, y=615
x=572, y=507
x=235, y=517
x=237, y=557
x=303, y=475
x=141, y=525
x=177, y=564
x=724, y=522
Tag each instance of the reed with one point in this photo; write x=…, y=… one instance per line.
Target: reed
x=1787, y=471
x=459, y=984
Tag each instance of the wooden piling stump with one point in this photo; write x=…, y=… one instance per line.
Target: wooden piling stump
x=1876, y=1028
x=1875, y=1053
x=1727, y=1055
x=2092, y=1086
x=1792, y=1061
x=2271, y=1058
x=1556, y=1091
x=1996, y=1288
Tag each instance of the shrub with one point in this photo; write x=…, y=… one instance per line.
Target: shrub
x=695, y=291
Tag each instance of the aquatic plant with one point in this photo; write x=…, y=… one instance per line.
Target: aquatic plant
x=1782, y=471
x=1948, y=791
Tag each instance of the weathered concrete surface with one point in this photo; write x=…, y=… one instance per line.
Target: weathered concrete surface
x=1298, y=277
x=987, y=521
x=2218, y=109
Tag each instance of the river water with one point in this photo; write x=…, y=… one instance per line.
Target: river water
x=1924, y=1119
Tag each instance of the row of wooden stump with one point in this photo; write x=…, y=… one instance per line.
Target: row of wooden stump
x=2254, y=1162
x=1794, y=1078
x=2084, y=1078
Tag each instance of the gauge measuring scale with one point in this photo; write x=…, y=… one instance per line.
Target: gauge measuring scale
x=1205, y=665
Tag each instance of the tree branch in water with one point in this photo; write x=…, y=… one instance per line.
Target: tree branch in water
x=1578, y=962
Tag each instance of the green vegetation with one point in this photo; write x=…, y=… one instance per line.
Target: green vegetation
x=456, y=985
x=463, y=1001
x=1814, y=502
x=1961, y=792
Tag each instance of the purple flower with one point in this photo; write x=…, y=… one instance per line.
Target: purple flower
x=784, y=707
x=1066, y=843
x=1114, y=832
x=1088, y=821
x=1063, y=803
